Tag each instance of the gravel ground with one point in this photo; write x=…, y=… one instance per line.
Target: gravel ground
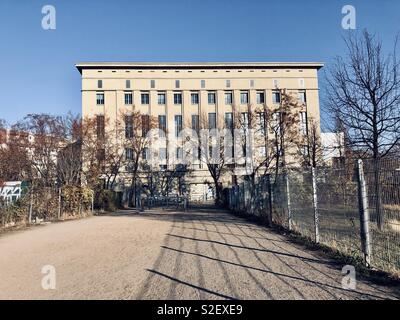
x=200, y=254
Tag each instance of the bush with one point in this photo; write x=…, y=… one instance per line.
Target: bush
x=106, y=200
x=76, y=199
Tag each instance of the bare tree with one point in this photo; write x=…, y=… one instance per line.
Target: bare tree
x=46, y=136
x=14, y=158
x=210, y=148
x=310, y=146
x=136, y=134
x=269, y=138
x=102, y=153
x=364, y=93
x=285, y=129
x=69, y=158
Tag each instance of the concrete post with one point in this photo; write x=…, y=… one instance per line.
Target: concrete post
x=364, y=213
x=315, y=204
x=289, y=208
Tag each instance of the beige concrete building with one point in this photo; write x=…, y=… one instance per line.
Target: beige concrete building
x=177, y=93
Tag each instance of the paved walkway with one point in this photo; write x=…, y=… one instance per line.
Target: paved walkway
x=200, y=254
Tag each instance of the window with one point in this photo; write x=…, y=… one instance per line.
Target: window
x=145, y=124
x=152, y=84
x=304, y=150
x=161, y=98
x=177, y=84
x=163, y=153
x=101, y=154
x=128, y=127
x=228, y=97
x=260, y=97
x=276, y=122
x=128, y=154
x=245, y=120
x=244, y=97
x=99, y=98
x=229, y=120
x=262, y=151
x=195, y=122
x=302, y=96
x=100, y=126
x=228, y=83
x=144, y=98
x=262, y=123
x=178, y=125
x=244, y=148
x=177, y=98
x=145, y=153
x=162, y=125
x=179, y=153
x=194, y=98
x=211, y=98
x=99, y=84
x=128, y=97
x=210, y=152
x=128, y=84
x=163, y=167
x=212, y=120
x=197, y=152
x=276, y=97
x=303, y=122
x=203, y=84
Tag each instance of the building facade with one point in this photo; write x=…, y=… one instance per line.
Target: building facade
x=175, y=94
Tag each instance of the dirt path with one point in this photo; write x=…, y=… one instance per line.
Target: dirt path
x=202, y=254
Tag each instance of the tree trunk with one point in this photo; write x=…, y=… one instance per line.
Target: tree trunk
x=218, y=192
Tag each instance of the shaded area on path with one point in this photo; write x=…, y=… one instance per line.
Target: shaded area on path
x=204, y=253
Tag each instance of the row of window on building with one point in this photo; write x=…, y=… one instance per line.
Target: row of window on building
x=194, y=97
x=275, y=83
x=162, y=153
x=195, y=123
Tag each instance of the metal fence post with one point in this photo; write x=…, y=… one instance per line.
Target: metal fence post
x=92, y=201
x=59, y=204
x=289, y=209
x=269, y=190
x=315, y=204
x=237, y=198
x=246, y=197
x=364, y=213
x=30, y=208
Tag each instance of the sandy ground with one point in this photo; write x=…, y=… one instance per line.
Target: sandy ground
x=200, y=254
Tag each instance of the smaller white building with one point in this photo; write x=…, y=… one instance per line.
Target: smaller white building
x=332, y=146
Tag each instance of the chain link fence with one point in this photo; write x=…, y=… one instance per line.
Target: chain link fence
x=353, y=208
x=46, y=204
x=383, y=185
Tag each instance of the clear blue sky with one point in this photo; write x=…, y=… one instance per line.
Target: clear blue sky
x=37, y=66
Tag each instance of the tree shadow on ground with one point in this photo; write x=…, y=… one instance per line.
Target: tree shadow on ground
x=170, y=264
